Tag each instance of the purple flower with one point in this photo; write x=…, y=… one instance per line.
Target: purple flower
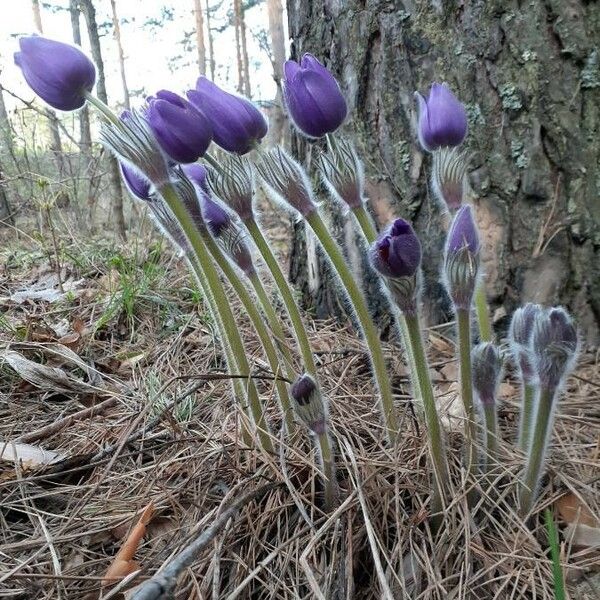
x=238, y=126
x=487, y=371
x=183, y=131
x=58, y=73
x=442, y=118
x=463, y=232
x=308, y=404
x=197, y=174
x=397, y=251
x=216, y=217
x=313, y=97
x=521, y=328
x=138, y=185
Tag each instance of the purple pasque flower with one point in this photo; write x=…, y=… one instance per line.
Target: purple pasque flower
x=463, y=232
x=215, y=216
x=308, y=404
x=238, y=126
x=486, y=364
x=442, y=118
x=60, y=74
x=183, y=132
x=135, y=182
x=198, y=175
x=397, y=251
x=519, y=335
x=313, y=97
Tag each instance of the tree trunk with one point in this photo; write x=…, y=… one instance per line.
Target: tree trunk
x=237, y=23
x=6, y=216
x=276, y=33
x=528, y=74
x=244, y=45
x=117, y=32
x=200, y=37
x=211, y=48
x=115, y=178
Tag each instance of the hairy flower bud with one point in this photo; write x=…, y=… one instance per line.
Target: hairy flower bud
x=313, y=97
x=553, y=346
x=343, y=173
x=183, y=131
x=198, y=175
x=442, y=118
x=309, y=404
x=135, y=182
x=286, y=180
x=449, y=177
x=461, y=260
x=519, y=335
x=60, y=74
x=487, y=371
x=233, y=183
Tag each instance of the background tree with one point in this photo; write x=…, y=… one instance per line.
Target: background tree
x=200, y=46
x=121, y=54
x=277, y=37
x=530, y=77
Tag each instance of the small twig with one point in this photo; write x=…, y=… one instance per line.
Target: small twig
x=160, y=587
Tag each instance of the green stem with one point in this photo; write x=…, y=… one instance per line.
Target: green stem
x=274, y=323
x=330, y=481
x=441, y=475
x=232, y=364
x=365, y=222
x=171, y=197
x=102, y=108
x=466, y=383
x=486, y=333
x=491, y=434
x=526, y=415
x=362, y=312
x=286, y=294
x=537, y=450
x=258, y=323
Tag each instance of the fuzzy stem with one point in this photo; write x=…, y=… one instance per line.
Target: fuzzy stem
x=463, y=319
x=441, y=475
x=102, y=108
x=258, y=323
x=286, y=294
x=171, y=197
x=526, y=415
x=491, y=433
x=537, y=449
x=365, y=222
x=486, y=333
x=362, y=312
x=330, y=481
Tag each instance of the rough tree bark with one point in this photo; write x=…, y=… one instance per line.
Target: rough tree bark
x=529, y=74
x=200, y=37
x=237, y=24
x=117, y=34
x=276, y=33
x=211, y=49
x=89, y=12
x=244, y=44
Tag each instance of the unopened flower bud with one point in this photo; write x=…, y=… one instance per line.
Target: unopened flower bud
x=343, y=173
x=461, y=260
x=197, y=174
x=487, y=370
x=308, y=404
x=286, y=180
x=521, y=328
x=233, y=183
x=135, y=182
x=553, y=346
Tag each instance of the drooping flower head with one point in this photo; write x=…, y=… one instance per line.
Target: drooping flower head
x=461, y=260
x=313, y=97
x=397, y=251
x=553, y=346
x=198, y=175
x=487, y=370
x=442, y=118
x=308, y=404
x=237, y=125
x=183, y=131
x=58, y=73
x=519, y=335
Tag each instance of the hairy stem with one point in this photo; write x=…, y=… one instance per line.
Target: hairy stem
x=357, y=299
x=486, y=333
x=526, y=415
x=330, y=481
x=286, y=294
x=491, y=434
x=537, y=450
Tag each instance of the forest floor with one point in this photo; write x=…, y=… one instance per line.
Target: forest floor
x=114, y=404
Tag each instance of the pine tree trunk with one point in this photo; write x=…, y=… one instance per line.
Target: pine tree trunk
x=117, y=32
x=115, y=178
x=211, y=48
x=237, y=23
x=276, y=33
x=200, y=37
x=244, y=45
x=529, y=75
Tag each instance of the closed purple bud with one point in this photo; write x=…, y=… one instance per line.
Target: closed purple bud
x=313, y=97
x=136, y=183
x=521, y=328
x=197, y=174
x=60, y=74
x=308, y=404
x=215, y=215
x=183, y=132
x=397, y=251
x=463, y=232
x=554, y=346
x=237, y=125
x=442, y=118
x=487, y=370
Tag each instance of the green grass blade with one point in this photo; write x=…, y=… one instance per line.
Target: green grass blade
x=557, y=574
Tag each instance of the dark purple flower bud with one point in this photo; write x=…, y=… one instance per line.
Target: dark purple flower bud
x=238, y=126
x=198, y=175
x=461, y=261
x=216, y=217
x=442, y=118
x=554, y=346
x=487, y=370
x=397, y=251
x=521, y=328
x=60, y=74
x=308, y=404
x=313, y=97
x=183, y=131
x=136, y=183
